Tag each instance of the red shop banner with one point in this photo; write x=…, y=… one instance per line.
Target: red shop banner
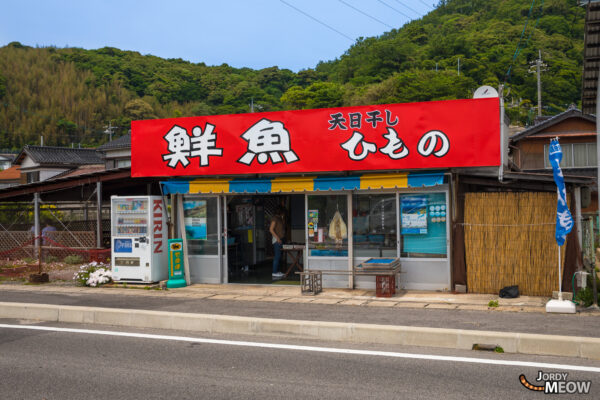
x=437, y=134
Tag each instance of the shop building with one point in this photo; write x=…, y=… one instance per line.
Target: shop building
x=355, y=183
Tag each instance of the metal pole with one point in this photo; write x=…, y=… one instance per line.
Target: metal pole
x=99, y=214
x=502, y=134
x=36, y=223
x=595, y=305
x=559, y=280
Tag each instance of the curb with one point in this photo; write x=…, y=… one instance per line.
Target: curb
x=524, y=343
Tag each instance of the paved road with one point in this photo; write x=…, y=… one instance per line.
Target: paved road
x=65, y=365
x=556, y=324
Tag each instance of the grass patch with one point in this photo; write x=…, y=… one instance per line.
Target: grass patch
x=493, y=303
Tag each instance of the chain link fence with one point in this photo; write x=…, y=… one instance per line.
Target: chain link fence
x=67, y=234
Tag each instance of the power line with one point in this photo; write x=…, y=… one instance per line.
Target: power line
x=518, y=49
x=411, y=9
x=365, y=14
x=426, y=4
x=316, y=20
x=398, y=11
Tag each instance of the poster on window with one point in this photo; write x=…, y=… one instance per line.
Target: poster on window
x=414, y=215
x=313, y=222
x=194, y=217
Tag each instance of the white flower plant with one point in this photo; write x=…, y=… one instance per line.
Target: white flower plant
x=93, y=274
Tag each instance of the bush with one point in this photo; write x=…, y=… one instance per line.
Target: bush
x=73, y=259
x=585, y=297
x=51, y=259
x=493, y=303
x=93, y=274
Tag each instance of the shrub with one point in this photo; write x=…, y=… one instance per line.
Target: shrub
x=73, y=259
x=585, y=297
x=51, y=259
x=493, y=303
x=93, y=274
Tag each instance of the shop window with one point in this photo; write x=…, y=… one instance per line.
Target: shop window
x=374, y=225
x=423, y=225
x=201, y=225
x=328, y=225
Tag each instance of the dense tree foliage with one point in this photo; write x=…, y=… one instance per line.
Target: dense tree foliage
x=69, y=95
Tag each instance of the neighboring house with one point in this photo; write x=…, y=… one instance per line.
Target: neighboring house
x=10, y=177
x=576, y=133
x=6, y=160
x=40, y=163
x=117, y=153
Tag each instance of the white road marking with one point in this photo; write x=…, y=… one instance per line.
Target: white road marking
x=309, y=348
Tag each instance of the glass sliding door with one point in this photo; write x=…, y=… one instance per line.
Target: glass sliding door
x=424, y=242
x=327, y=236
x=202, y=229
x=374, y=225
x=423, y=225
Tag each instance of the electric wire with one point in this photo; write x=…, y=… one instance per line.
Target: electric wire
x=398, y=11
x=316, y=20
x=422, y=2
x=411, y=9
x=365, y=14
x=518, y=49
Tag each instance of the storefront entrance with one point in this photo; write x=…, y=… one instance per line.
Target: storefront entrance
x=250, y=250
x=332, y=225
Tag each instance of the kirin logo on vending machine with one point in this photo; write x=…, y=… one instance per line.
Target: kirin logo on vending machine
x=157, y=211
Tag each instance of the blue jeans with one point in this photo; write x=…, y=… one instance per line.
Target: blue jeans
x=276, y=255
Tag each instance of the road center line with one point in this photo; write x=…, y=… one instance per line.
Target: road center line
x=309, y=348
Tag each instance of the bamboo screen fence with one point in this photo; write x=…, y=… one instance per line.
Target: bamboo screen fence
x=509, y=240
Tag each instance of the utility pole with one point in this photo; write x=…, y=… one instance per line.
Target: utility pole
x=537, y=67
x=109, y=130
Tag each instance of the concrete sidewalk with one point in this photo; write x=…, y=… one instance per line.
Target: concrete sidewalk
x=292, y=294
x=433, y=319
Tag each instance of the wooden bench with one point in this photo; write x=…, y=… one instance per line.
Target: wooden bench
x=311, y=280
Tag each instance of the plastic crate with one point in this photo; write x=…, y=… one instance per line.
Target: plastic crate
x=385, y=285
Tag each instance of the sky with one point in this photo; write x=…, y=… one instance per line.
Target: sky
x=292, y=34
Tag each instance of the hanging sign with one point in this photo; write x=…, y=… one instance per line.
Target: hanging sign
x=437, y=134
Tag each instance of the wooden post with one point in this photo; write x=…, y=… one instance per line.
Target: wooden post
x=99, y=214
x=36, y=223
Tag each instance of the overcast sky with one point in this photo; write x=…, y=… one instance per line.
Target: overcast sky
x=293, y=34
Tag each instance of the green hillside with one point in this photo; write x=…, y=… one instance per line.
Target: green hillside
x=68, y=95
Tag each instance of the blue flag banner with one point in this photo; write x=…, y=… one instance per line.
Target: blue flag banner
x=564, y=220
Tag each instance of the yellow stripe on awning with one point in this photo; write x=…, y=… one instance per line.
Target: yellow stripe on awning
x=209, y=186
x=288, y=184
x=384, y=181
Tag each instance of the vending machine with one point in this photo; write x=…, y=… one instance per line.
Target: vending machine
x=139, y=239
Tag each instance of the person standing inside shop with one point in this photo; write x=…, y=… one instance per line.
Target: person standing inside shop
x=277, y=230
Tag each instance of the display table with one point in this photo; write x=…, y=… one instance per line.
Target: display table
x=295, y=252
x=385, y=270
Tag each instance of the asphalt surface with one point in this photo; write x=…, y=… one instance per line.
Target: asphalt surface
x=552, y=324
x=64, y=365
